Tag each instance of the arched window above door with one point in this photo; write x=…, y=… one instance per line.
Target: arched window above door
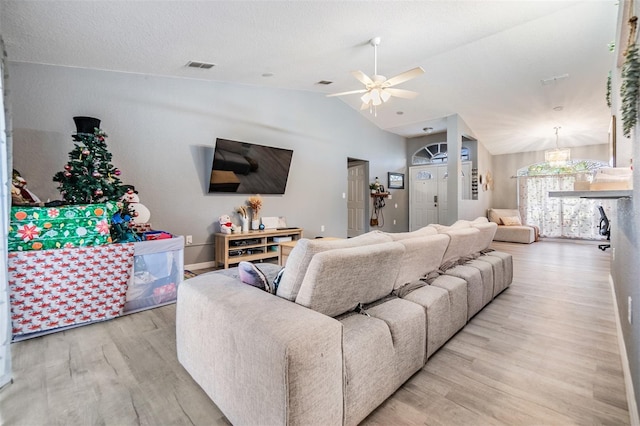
x=436, y=153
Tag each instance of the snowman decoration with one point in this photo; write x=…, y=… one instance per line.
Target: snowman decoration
x=139, y=212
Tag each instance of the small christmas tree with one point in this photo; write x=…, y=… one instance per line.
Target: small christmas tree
x=89, y=177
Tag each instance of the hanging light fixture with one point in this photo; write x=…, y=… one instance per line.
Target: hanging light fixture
x=557, y=157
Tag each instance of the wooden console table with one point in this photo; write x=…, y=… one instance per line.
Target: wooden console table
x=231, y=249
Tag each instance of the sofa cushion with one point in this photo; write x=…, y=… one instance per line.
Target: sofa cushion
x=515, y=234
x=422, y=255
x=495, y=214
x=422, y=232
x=304, y=250
x=338, y=280
x=462, y=241
x=461, y=223
x=435, y=302
x=252, y=275
x=475, y=287
x=381, y=351
x=262, y=359
x=511, y=220
x=487, y=232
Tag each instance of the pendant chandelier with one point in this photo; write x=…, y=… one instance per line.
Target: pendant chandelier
x=557, y=157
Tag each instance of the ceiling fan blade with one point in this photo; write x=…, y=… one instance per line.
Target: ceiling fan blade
x=401, y=93
x=405, y=76
x=362, y=77
x=347, y=93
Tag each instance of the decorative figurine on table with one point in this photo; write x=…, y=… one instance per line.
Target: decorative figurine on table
x=226, y=226
x=139, y=212
x=20, y=195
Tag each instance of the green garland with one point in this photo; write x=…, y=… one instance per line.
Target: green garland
x=609, y=90
x=630, y=90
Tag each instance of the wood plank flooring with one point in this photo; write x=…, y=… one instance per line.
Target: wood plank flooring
x=544, y=352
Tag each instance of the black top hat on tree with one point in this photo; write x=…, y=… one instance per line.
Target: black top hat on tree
x=86, y=124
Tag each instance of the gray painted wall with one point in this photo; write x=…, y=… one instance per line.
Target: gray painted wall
x=506, y=166
x=162, y=132
x=625, y=229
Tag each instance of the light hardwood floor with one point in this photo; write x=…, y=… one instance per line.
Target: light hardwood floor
x=544, y=352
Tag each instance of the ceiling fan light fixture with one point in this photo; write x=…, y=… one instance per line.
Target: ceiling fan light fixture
x=377, y=88
x=375, y=97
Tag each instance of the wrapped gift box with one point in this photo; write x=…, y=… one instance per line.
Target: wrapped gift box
x=43, y=228
x=58, y=288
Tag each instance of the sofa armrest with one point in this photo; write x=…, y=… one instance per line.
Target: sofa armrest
x=260, y=358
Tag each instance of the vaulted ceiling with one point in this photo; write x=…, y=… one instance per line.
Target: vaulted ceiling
x=495, y=63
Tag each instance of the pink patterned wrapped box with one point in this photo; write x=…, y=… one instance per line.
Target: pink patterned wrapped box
x=58, y=288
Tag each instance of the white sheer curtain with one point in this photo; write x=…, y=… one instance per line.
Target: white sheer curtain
x=559, y=217
x=5, y=207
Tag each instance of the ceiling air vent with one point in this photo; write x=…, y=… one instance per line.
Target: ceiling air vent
x=324, y=82
x=203, y=65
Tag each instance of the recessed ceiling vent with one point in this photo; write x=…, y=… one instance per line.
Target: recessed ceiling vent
x=203, y=65
x=325, y=82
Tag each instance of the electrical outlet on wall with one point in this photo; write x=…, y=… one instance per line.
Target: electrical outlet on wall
x=630, y=310
x=188, y=239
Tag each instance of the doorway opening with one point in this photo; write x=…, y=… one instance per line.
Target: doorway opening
x=357, y=191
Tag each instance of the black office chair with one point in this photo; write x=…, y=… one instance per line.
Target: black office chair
x=604, y=229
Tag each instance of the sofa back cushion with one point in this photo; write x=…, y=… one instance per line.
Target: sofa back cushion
x=459, y=224
x=338, y=280
x=422, y=232
x=421, y=256
x=495, y=215
x=487, y=232
x=461, y=243
x=304, y=250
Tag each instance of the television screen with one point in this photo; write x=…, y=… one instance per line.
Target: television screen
x=247, y=168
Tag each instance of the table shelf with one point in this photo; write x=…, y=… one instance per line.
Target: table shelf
x=224, y=245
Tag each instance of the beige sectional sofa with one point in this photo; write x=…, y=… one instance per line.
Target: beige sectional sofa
x=510, y=226
x=343, y=331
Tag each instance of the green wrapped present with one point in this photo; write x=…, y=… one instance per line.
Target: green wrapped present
x=44, y=228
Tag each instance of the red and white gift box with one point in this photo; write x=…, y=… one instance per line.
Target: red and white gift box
x=58, y=288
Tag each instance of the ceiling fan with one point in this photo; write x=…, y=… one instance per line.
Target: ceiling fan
x=378, y=89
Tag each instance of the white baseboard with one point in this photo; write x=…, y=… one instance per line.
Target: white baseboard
x=628, y=382
x=202, y=265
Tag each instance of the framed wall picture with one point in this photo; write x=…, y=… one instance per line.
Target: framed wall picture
x=396, y=180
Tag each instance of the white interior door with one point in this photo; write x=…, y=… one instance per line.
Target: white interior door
x=423, y=196
x=442, y=179
x=356, y=203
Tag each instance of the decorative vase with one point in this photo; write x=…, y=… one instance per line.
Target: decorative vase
x=255, y=224
x=245, y=224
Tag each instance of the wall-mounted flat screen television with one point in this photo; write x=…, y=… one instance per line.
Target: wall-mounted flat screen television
x=248, y=168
